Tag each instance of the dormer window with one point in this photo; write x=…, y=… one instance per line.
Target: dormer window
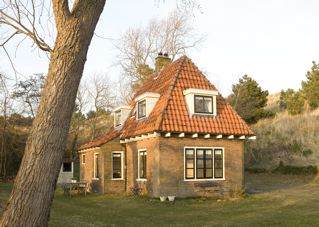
x=141, y=109
x=117, y=118
x=201, y=102
x=120, y=115
x=145, y=104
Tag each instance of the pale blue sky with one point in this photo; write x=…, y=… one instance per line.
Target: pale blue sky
x=274, y=41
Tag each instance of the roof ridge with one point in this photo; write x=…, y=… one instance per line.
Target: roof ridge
x=160, y=119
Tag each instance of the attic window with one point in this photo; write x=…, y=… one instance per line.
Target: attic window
x=117, y=118
x=141, y=109
x=203, y=104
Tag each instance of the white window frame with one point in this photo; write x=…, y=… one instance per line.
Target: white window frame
x=138, y=165
x=138, y=102
x=94, y=166
x=207, y=179
x=83, y=159
x=122, y=164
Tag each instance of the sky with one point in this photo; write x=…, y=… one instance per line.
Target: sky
x=273, y=41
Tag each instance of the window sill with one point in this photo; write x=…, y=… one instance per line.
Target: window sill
x=142, y=180
x=212, y=179
x=204, y=114
x=95, y=178
x=117, y=179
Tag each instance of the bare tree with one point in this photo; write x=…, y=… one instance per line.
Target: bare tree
x=5, y=106
x=33, y=190
x=29, y=92
x=138, y=47
x=101, y=93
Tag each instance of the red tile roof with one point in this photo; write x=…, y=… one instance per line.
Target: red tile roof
x=170, y=113
x=110, y=135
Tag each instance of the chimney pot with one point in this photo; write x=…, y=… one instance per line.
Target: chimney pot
x=161, y=61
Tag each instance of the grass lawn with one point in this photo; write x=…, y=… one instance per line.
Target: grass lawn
x=277, y=201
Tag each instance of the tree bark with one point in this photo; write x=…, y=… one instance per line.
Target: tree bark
x=33, y=191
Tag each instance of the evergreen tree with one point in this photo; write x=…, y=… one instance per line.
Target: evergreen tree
x=249, y=100
x=310, y=87
x=292, y=101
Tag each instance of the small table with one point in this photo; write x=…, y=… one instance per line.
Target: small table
x=75, y=186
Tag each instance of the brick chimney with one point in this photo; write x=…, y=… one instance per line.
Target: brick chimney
x=161, y=61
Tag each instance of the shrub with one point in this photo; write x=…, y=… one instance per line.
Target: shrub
x=295, y=170
x=255, y=170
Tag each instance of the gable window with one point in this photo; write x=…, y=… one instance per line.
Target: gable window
x=203, y=104
x=141, y=109
x=117, y=118
x=142, y=164
x=67, y=167
x=117, y=165
x=96, y=166
x=83, y=158
x=203, y=163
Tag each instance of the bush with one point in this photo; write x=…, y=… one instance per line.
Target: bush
x=295, y=170
x=255, y=170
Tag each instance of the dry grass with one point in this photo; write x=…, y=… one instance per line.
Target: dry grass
x=287, y=138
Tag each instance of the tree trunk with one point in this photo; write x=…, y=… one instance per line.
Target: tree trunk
x=33, y=191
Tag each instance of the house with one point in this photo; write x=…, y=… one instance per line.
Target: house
x=177, y=137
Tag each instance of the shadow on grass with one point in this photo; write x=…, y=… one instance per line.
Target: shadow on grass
x=267, y=182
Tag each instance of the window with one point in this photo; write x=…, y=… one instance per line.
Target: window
x=218, y=163
x=141, y=109
x=142, y=157
x=96, y=166
x=117, y=118
x=204, y=163
x=117, y=160
x=203, y=104
x=190, y=163
x=83, y=158
x=67, y=167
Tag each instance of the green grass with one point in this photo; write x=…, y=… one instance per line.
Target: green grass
x=279, y=201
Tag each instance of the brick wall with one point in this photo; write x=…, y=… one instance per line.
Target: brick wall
x=86, y=169
x=110, y=185
x=172, y=168
x=151, y=145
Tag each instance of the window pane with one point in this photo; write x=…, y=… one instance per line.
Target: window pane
x=218, y=163
x=200, y=153
x=209, y=163
x=83, y=159
x=190, y=163
x=117, y=118
x=189, y=153
x=200, y=173
x=190, y=173
x=67, y=167
x=117, y=165
x=209, y=173
x=96, y=166
x=142, y=164
x=200, y=163
x=141, y=109
x=208, y=105
x=199, y=104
